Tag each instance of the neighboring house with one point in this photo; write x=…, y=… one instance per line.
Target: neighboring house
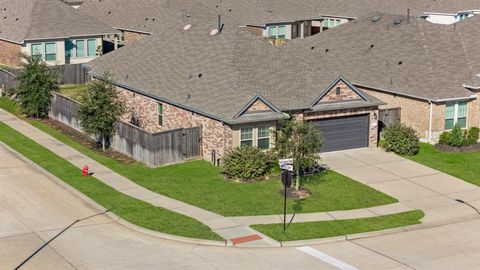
x=50, y=30
x=425, y=73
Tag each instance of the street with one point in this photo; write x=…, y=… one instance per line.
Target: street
x=34, y=208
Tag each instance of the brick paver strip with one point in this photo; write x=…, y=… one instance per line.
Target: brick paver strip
x=245, y=239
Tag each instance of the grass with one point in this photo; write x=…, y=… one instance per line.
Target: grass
x=73, y=91
x=321, y=229
x=133, y=210
x=201, y=184
x=462, y=165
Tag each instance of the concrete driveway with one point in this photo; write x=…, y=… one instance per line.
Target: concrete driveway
x=413, y=184
x=33, y=208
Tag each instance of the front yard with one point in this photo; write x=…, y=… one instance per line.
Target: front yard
x=462, y=165
x=201, y=184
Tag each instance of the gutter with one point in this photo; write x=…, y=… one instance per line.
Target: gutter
x=67, y=37
x=471, y=86
x=131, y=30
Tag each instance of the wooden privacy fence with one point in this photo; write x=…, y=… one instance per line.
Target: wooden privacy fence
x=7, y=79
x=153, y=149
x=67, y=74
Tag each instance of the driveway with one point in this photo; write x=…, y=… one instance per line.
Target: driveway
x=413, y=184
x=33, y=208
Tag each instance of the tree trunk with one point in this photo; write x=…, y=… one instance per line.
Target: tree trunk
x=103, y=142
x=297, y=181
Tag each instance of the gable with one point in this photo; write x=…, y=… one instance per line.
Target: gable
x=344, y=93
x=258, y=106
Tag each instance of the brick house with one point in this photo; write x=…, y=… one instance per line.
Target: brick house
x=48, y=29
x=236, y=87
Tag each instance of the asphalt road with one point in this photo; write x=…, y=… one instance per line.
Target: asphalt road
x=33, y=208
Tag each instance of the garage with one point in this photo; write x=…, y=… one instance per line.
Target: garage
x=344, y=132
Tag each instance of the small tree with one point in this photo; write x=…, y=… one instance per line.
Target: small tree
x=36, y=84
x=100, y=109
x=301, y=141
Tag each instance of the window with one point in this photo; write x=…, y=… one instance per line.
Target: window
x=331, y=23
x=338, y=91
x=92, y=47
x=160, y=114
x=50, y=51
x=37, y=50
x=246, y=137
x=278, y=31
x=263, y=139
x=462, y=16
x=80, y=48
x=456, y=113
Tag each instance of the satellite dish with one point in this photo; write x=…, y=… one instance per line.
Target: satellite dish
x=376, y=18
x=397, y=20
x=214, y=32
x=187, y=27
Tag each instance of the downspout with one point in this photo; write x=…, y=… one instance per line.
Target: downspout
x=224, y=139
x=430, y=122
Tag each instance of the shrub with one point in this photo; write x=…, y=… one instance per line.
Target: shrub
x=246, y=164
x=444, y=138
x=457, y=137
x=401, y=139
x=473, y=135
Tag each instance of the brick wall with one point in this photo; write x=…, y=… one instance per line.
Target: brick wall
x=414, y=113
x=372, y=112
x=10, y=53
x=131, y=37
x=346, y=93
x=145, y=109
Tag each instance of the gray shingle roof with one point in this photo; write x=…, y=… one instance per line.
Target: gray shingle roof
x=414, y=57
x=39, y=19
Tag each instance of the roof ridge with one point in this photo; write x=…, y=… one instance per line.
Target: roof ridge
x=30, y=19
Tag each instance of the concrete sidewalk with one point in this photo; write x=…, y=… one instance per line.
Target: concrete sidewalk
x=413, y=184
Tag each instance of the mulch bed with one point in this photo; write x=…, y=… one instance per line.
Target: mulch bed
x=85, y=140
x=462, y=149
x=302, y=193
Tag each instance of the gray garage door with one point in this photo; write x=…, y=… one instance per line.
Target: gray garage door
x=344, y=132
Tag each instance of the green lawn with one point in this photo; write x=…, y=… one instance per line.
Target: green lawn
x=321, y=229
x=73, y=91
x=133, y=210
x=461, y=165
x=201, y=184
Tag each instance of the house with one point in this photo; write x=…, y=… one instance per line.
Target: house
x=235, y=86
x=50, y=30
x=425, y=73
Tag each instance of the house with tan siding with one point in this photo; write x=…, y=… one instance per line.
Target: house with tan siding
x=50, y=30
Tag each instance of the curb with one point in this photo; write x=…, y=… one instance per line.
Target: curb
x=111, y=215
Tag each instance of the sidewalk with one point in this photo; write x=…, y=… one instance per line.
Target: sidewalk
x=230, y=228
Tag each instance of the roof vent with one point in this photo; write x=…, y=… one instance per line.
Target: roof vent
x=187, y=27
x=214, y=32
x=376, y=18
x=371, y=46
x=313, y=47
x=326, y=50
x=397, y=20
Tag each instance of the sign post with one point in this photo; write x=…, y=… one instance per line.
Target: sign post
x=287, y=168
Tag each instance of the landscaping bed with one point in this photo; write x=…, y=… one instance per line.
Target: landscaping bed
x=135, y=211
x=202, y=184
x=461, y=149
x=322, y=229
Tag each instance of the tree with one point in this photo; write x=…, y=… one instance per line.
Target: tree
x=36, y=84
x=101, y=108
x=301, y=141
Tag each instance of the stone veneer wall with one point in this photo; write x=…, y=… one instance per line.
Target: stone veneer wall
x=373, y=121
x=145, y=109
x=346, y=93
x=10, y=53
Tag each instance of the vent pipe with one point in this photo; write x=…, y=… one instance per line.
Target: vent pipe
x=408, y=15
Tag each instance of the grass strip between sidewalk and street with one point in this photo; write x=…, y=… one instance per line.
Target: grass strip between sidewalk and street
x=322, y=229
x=130, y=209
